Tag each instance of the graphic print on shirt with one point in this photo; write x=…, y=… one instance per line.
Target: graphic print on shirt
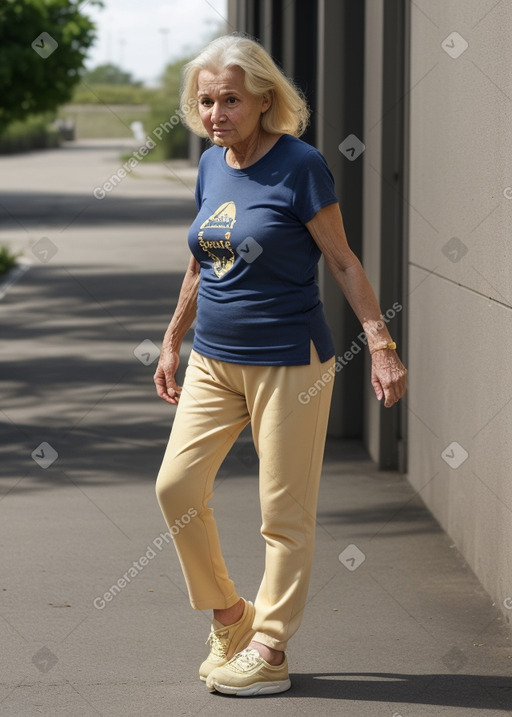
x=217, y=244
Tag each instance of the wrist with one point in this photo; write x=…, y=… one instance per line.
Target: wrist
x=172, y=341
x=377, y=333
x=390, y=345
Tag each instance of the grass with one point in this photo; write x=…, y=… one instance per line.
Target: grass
x=100, y=122
x=94, y=94
x=113, y=122
x=107, y=111
x=7, y=260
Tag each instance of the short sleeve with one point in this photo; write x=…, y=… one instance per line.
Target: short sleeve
x=313, y=188
x=199, y=193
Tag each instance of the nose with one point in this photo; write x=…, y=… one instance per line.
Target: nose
x=217, y=114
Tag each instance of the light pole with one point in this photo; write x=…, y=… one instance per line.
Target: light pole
x=122, y=43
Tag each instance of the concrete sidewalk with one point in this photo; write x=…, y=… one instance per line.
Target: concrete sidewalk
x=396, y=624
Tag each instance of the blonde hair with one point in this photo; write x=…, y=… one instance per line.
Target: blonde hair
x=288, y=112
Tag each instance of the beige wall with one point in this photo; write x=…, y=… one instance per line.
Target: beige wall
x=460, y=327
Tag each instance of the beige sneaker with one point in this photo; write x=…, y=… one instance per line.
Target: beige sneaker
x=226, y=640
x=248, y=674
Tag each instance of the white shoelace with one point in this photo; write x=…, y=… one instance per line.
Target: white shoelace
x=245, y=660
x=218, y=646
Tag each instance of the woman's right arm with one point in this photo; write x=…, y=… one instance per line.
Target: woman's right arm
x=182, y=319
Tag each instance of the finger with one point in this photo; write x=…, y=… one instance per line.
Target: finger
x=377, y=386
x=161, y=388
x=168, y=397
x=393, y=395
x=163, y=392
x=173, y=391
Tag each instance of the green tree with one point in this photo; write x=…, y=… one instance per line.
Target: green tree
x=43, y=45
x=165, y=105
x=110, y=74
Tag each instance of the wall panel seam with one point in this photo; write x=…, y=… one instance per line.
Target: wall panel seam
x=461, y=286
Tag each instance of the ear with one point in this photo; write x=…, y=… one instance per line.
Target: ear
x=266, y=102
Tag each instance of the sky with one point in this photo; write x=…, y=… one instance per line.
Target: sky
x=142, y=36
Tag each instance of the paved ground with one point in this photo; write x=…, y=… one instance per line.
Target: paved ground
x=406, y=632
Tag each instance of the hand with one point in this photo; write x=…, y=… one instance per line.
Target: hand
x=165, y=383
x=388, y=376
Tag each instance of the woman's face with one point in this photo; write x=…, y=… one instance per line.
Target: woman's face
x=230, y=114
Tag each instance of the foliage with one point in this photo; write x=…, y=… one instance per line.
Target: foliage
x=35, y=132
x=109, y=74
x=87, y=93
x=7, y=260
x=166, y=102
x=29, y=82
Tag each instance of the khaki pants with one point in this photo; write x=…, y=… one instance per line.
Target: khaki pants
x=289, y=425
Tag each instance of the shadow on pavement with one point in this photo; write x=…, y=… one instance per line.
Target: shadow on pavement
x=471, y=691
x=70, y=377
x=36, y=209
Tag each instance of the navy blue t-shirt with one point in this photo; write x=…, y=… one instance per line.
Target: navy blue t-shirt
x=258, y=300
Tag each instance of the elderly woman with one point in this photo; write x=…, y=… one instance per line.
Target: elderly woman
x=267, y=212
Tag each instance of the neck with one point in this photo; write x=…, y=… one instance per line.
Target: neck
x=243, y=155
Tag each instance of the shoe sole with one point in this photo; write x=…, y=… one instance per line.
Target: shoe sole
x=259, y=688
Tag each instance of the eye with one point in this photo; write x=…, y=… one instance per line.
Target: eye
x=232, y=100
x=206, y=102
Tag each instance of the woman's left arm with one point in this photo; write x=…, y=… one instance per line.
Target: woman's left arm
x=388, y=373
